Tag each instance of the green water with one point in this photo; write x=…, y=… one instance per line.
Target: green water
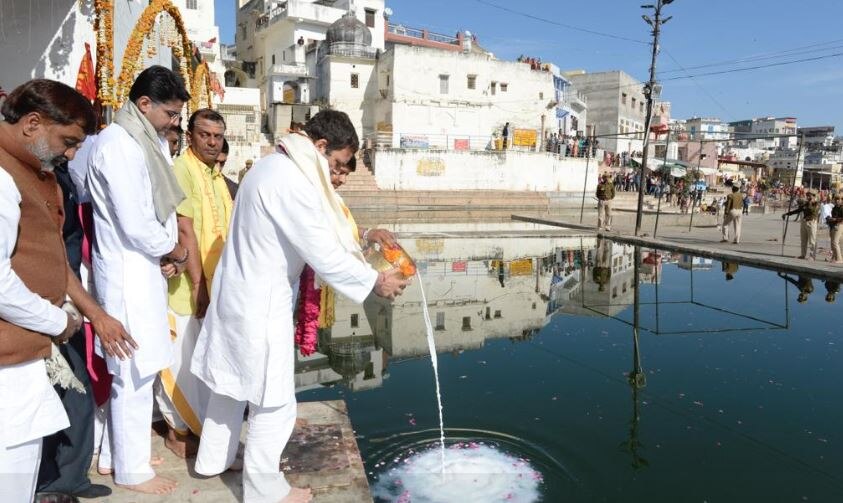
x=729, y=392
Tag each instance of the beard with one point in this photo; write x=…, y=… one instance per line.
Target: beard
x=40, y=148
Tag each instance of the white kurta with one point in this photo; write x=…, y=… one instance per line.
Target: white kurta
x=29, y=406
x=245, y=349
x=129, y=245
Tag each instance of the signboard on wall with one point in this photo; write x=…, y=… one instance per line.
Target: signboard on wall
x=414, y=142
x=524, y=138
x=462, y=144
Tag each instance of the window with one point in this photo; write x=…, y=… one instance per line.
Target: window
x=355, y=320
x=541, y=96
x=191, y=4
x=472, y=82
x=494, y=88
x=633, y=103
x=443, y=84
x=273, y=59
x=370, y=18
x=641, y=107
x=355, y=80
x=504, y=87
x=497, y=313
x=466, y=322
x=243, y=32
x=440, y=321
x=623, y=98
x=250, y=118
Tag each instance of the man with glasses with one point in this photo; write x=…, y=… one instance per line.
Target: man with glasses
x=203, y=226
x=835, y=226
x=135, y=194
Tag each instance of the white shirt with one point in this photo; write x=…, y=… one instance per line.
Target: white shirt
x=245, y=349
x=130, y=242
x=29, y=407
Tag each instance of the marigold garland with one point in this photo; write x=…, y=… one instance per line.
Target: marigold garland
x=200, y=94
x=104, y=29
x=133, y=58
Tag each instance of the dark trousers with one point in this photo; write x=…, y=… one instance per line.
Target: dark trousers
x=66, y=455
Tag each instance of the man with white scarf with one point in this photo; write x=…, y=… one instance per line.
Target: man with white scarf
x=285, y=216
x=135, y=194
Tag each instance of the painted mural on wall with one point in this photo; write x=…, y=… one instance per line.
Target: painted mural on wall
x=430, y=167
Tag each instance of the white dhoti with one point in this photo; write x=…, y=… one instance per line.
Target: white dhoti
x=128, y=427
x=269, y=430
x=182, y=397
x=19, y=471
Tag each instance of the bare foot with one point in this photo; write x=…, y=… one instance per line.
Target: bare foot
x=157, y=485
x=298, y=495
x=183, y=446
x=153, y=461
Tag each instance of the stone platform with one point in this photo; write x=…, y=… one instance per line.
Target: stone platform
x=322, y=454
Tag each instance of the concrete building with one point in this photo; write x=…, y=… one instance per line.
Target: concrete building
x=458, y=99
x=277, y=46
x=707, y=128
x=616, y=105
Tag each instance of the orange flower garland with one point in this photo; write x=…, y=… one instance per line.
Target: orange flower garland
x=104, y=28
x=133, y=58
x=200, y=94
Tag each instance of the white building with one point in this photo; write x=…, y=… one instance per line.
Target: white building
x=447, y=98
x=707, y=128
x=616, y=105
x=277, y=44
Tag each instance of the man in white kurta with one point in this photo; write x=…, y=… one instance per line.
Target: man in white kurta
x=245, y=351
x=30, y=409
x=131, y=242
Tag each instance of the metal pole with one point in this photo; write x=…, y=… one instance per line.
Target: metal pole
x=694, y=197
x=659, y=207
x=792, y=189
x=585, y=182
x=649, y=89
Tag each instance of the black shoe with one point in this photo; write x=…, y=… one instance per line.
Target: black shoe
x=54, y=498
x=94, y=491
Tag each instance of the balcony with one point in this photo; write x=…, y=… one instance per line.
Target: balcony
x=300, y=11
x=350, y=50
x=290, y=70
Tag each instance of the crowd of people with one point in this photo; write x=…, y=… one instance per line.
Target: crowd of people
x=570, y=146
x=193, y=284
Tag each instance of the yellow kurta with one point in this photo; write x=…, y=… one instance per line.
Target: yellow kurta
x=208, y=204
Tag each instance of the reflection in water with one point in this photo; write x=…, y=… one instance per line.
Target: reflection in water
x=722, y=388
x=477, y=289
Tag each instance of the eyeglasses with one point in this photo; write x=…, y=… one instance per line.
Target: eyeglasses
x=170, y=113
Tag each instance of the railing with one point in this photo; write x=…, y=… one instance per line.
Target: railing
x=351, y=50
x=401, y=30
x=288, y=69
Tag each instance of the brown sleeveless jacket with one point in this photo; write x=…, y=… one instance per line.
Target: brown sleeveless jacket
x=39, y=257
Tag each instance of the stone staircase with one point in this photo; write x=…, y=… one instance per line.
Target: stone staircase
x=361, y=179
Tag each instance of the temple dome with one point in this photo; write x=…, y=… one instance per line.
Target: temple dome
x=349, y=30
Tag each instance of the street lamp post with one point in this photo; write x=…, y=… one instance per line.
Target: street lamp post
x=649, y=89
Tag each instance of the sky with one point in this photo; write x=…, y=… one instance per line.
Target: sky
x=701, y=32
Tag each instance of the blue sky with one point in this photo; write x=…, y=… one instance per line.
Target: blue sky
x=701, y=32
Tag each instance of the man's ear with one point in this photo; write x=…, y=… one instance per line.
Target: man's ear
x=144, y=104
x=321, y=145
x=30, y=123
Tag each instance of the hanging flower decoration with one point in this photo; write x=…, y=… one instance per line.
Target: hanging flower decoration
x=200, y=94
x=160, y=21
x=104, y=29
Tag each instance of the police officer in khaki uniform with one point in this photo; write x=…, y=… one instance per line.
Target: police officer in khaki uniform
x=835, y=228
x=733, y=216
x=605, y=194
x=810, y=211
